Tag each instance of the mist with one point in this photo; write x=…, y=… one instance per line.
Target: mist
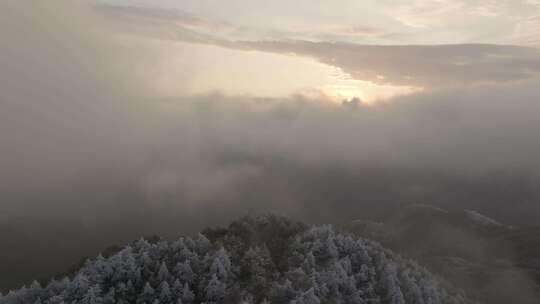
x=86, y=140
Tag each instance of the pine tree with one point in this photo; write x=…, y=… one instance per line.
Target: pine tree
x=177, y=289
x=188, y=296
x=78, y=287
x=221, y=265
x=93, y=296
x=184, y=272
x=109, y=298
x=306, y=266
x=283, y=293
x=215, y=291
x=56, y=299
x=147, y=295
x=307, y=297
x=309, y=263
x=165, y=294
x=163, y=274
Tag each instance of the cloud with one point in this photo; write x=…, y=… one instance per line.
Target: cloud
x=72, y=105
x=527, y=31
x=144, y=18
x=135, y=15
x=69, y=94
x=76, y=112
x=424, y=66
x=338, y=32
x=438, y=13
x=427, y=13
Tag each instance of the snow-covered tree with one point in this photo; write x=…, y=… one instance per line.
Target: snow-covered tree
x=188, y=296
x=254, y=260
x=215, y=291
x=165, y=295
x=184, y=272
x=147, y=295
x=163, y=274
x=92, y=296
x=307, y=297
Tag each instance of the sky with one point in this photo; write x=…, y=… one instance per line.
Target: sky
x=278, y=48
x=372, y=22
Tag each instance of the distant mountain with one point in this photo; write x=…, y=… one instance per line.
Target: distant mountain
x=267, y=259
x=493, y=262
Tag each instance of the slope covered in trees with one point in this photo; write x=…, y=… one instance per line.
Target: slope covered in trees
x=493, y=262
x=267, y=259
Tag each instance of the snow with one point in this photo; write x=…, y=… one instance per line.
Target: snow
x=482, y=219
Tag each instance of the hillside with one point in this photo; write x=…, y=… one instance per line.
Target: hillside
x=491, y=261
x=254, y=260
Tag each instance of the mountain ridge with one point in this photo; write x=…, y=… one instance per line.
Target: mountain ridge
x=492, y=261
x=253, y=260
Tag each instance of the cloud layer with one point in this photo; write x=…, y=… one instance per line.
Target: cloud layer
x=425, y=66
x=74, y=121
x=84, y=138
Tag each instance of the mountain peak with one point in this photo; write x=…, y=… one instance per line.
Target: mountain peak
x=254, y=260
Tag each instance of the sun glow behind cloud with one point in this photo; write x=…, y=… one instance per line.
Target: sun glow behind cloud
x=341, y=86
x=195, y=69
x=202, y=53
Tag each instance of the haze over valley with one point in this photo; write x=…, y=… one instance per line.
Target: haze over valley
x=410, y=126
